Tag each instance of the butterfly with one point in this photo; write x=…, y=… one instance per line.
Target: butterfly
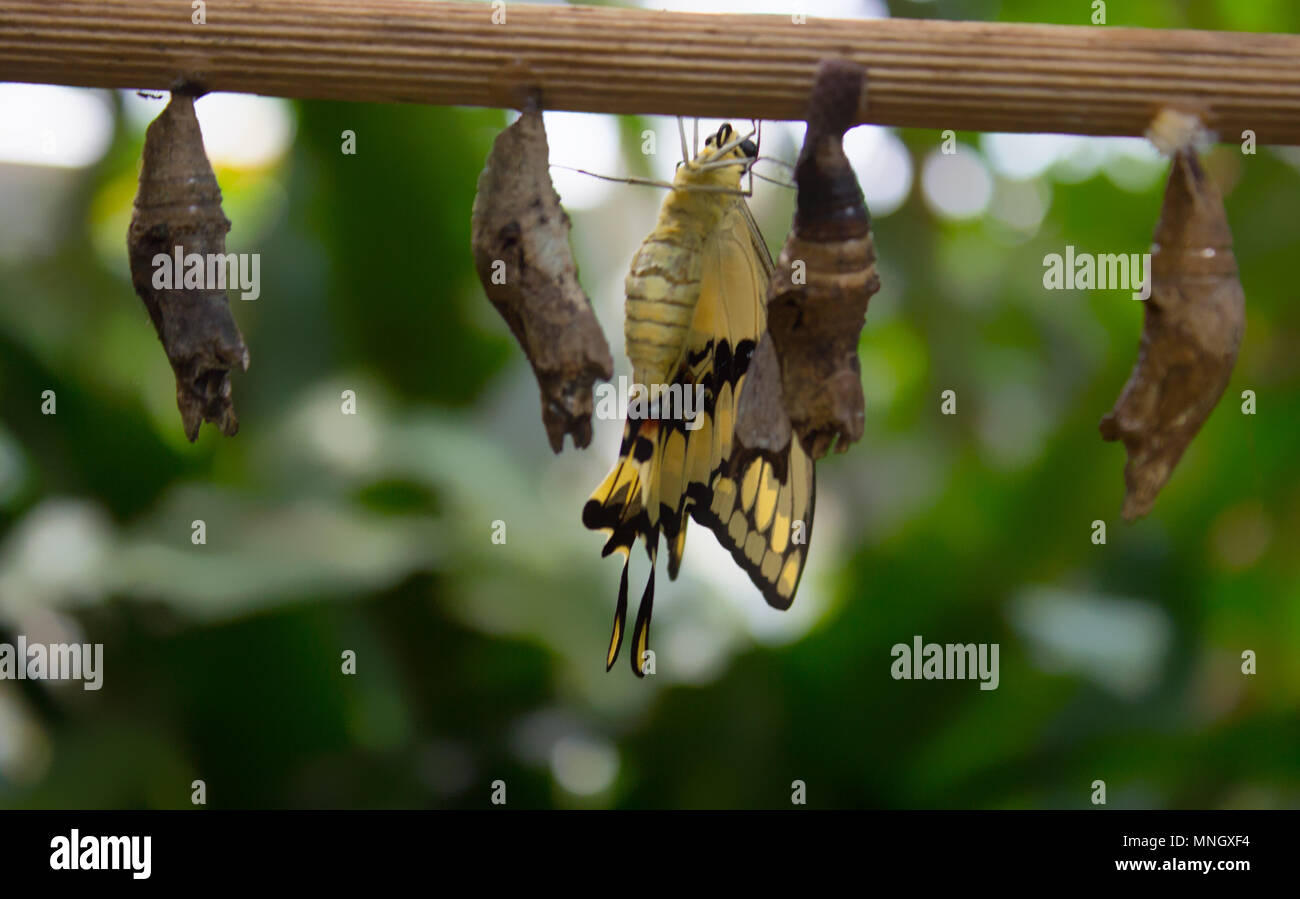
x=696, y=308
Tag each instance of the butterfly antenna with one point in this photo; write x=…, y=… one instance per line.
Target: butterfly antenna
x=649, y=182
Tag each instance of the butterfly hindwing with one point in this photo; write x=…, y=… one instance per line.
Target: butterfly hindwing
x=764, y=522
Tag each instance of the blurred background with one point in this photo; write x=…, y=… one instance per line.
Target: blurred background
x=478, y=661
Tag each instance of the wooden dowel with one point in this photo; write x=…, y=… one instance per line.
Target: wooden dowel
x=932, y=74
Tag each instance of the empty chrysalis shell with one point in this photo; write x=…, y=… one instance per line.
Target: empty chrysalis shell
x=826, y=274
x=1192, y=329
x=521, y=251
x=177, y=215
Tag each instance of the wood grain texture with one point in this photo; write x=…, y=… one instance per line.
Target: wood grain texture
x=930, y=74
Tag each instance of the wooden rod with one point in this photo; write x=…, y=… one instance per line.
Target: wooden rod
x=929, y=74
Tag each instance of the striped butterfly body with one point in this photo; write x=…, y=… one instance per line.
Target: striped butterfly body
x=696, y=307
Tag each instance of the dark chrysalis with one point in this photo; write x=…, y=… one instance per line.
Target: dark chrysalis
x=1192, y=328
x=817, y=301
x=178, y=214
x=521, y=251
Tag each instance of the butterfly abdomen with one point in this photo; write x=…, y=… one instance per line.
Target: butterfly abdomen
x=662, y=288
x=663, y=285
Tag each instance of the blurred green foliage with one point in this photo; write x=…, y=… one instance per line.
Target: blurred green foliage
x=478, y=662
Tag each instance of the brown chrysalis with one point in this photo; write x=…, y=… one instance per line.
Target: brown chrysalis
x=817, y=301
x=1192, y=328
x=178, y=214
x=521, y=251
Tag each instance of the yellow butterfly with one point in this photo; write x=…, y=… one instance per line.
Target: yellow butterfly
x=696, y=307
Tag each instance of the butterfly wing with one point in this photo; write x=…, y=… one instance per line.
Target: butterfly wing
x=763, y=516
x=618, y=507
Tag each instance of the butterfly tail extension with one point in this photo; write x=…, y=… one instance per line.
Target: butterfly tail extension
x=641, y=631
x=620, y=618
x=677, y=546
x=617, y=508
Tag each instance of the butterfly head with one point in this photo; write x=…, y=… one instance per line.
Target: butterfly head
x=726, y=156
x=727, y=143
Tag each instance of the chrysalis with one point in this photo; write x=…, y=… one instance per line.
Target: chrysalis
x=521, y=251
x=178, y=218
x=817, y=301
x=1192, y=328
